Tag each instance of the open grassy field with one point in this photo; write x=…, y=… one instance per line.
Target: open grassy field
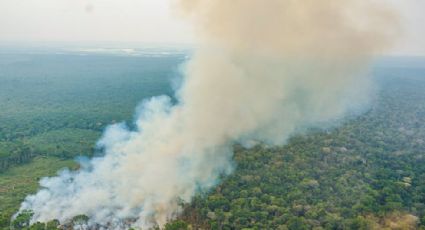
x=19, y=181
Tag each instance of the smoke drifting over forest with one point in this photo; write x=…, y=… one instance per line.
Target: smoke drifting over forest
x=264, y=70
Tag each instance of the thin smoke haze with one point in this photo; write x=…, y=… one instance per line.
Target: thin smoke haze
x=264, y=70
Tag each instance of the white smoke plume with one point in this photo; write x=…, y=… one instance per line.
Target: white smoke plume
x=264, y=70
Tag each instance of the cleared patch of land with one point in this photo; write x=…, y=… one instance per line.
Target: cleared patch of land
x=19, y=181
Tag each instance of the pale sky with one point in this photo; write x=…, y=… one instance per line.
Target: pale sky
x=92, y=20
x=142, y=21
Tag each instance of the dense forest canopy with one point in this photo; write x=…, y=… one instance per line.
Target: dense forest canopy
x=366, y=173
x=59, y=104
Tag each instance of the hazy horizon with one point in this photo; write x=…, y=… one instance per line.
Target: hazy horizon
x=144, y=22
x=212, y=114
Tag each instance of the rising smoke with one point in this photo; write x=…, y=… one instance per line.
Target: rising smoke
x=264, y=70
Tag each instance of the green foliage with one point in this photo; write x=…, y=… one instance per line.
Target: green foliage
x=80, y=220
x=370, y=166
x=22, y=220
x=52, y=225
x=64, y=143
x=18, y=182
x=37, y=226
x=177, y=225
x=58, y=104
x=4, y=220
x=54, y=108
